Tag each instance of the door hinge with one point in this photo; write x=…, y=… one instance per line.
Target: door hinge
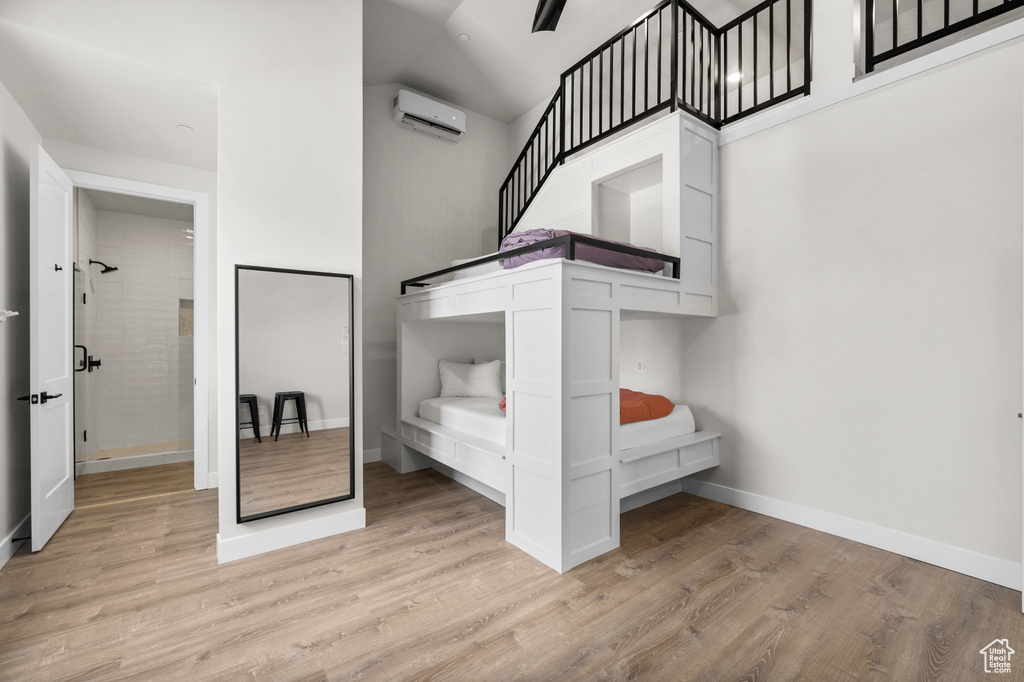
x=85, y=435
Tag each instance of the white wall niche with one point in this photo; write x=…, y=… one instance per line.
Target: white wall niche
x=628, y=205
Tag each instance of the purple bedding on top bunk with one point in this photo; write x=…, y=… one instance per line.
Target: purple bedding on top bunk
x=594, y=254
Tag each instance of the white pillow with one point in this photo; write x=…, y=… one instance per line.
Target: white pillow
x=470, y=381
x=478, y=361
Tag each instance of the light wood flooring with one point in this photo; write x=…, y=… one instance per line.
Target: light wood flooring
x=131, y=589
x=293, y=470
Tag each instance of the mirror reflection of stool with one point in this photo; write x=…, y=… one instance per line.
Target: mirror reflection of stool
x=254, y=415
x=300, y=409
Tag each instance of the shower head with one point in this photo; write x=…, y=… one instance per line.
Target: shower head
x=106, y=268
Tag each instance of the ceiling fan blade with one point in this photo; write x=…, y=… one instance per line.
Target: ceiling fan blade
x=548, y=12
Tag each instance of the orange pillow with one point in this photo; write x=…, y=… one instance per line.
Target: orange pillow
x=638, y=407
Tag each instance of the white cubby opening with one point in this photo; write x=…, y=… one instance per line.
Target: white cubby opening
x=629, y=206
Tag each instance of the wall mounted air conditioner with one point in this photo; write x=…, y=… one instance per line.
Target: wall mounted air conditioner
x=429, y=116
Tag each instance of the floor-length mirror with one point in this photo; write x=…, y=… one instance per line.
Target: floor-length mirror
x=294, y=369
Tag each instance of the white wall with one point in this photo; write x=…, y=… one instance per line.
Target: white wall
x=426, y=202
x=521, y=129
x=867, y=359
x=18, y=142
x=289, y=161
x=293, y=335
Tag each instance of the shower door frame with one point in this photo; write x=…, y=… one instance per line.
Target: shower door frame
x=201, y=272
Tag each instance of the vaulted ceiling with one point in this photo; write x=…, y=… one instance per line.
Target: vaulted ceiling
x=502, y=69
x=90, y=72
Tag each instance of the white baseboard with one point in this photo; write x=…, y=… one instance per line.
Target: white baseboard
x=133, y=462
x=212, y=480
x=318, y=425
x=9, y=546
x=283, y=533
x=371, y=455
x=984, y=567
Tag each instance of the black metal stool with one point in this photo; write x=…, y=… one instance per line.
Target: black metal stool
x=254, y=415
x=300, y=409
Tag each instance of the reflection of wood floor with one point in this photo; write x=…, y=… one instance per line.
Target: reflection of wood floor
x=431, y=590
x=293, y=470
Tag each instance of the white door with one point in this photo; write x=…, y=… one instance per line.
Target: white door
x=50, y=328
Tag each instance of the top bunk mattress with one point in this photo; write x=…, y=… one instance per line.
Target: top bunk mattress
x=482, y=418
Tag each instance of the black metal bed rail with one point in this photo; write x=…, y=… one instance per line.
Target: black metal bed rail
x=671, y=57
x=894, y=28
x=569, y=241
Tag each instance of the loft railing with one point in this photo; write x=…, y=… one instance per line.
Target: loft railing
x=767, y=52
x=894, y=28
x=671, y=58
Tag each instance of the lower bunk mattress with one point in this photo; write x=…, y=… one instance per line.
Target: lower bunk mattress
x=482, y=418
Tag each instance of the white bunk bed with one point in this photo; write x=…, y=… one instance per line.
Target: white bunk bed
x=562, y=467
x=468, y=435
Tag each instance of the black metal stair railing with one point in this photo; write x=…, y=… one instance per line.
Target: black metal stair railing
x=894, y=28
x=670, y=58
x=543, y=151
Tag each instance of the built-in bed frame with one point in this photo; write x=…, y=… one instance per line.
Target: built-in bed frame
x=561, y=474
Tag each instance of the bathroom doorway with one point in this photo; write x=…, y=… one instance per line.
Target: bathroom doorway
x=134, y=323
x=141, y=296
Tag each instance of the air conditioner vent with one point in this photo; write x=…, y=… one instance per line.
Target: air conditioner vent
x=428, y=116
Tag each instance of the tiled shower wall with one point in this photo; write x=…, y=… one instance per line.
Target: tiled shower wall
x=143, y=335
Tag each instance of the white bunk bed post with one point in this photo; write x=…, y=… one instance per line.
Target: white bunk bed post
x=591, y=409
x=534, y=429
x=563, y=501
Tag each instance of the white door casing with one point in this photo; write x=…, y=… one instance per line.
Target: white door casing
x=51, y=270
x=203, y=478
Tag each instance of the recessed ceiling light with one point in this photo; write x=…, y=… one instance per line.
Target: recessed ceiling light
x=735, y=77
x=185, y=128
x=463, y=37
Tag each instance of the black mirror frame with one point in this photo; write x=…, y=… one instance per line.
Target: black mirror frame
x=351, y=401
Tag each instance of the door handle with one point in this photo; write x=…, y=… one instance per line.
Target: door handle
x=34, y=398
x=93, y=364
x=44, y=396
x=85, y=352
